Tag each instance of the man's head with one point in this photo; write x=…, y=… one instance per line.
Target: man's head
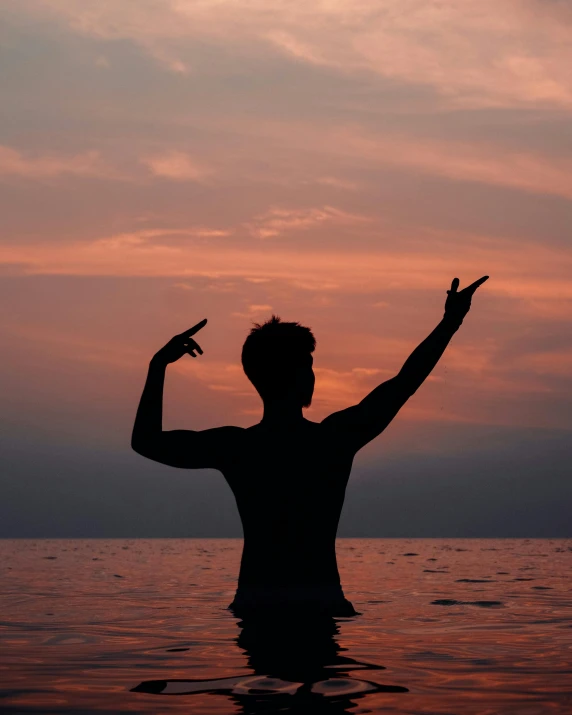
x=277, y=359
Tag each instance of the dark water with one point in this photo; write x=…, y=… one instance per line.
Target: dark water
x=447, y=627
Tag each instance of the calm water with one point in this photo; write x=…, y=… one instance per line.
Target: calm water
x=448, y=626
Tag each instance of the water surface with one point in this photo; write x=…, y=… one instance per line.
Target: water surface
x=448, y=626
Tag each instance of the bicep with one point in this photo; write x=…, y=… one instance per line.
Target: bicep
x=189, y=449
x=366, y=420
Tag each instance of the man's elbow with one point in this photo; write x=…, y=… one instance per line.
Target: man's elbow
x=136, y=447
x=141, y=446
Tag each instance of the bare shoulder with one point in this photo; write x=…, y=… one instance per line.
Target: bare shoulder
x=352, y=427
x=341, y=419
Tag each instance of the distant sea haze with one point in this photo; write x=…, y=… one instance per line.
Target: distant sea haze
x=446, y=625
x=492, y=482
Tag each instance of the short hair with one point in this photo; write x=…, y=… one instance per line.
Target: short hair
x=272, y=351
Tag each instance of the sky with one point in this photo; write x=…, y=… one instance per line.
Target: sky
x=335, y=163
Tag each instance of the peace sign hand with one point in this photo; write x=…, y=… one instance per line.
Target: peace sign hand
x=180, y=345
x=458, y=303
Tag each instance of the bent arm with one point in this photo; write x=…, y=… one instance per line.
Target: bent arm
x=370, y=417
x=186, y=449
x=149, y=419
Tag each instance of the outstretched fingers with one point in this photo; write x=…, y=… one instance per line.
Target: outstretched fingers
x=192, y=346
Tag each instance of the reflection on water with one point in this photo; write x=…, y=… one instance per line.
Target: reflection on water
x=296, y=664
x=448, y=626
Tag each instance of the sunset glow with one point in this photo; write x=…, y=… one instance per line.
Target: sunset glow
x=335, y=163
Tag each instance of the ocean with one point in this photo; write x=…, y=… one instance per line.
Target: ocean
x=447, y=627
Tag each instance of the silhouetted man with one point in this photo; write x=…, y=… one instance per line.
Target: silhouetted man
x=288, y=474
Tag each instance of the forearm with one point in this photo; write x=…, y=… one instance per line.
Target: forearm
x=149, y=418
x=423, y=359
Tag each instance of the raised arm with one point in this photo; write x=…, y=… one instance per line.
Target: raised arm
x=366, y=420
x=187, y=449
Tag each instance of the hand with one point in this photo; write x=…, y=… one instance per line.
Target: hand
x=180, y=345
x=458, y=303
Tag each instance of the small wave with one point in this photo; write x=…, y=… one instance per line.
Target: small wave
x=453, y=602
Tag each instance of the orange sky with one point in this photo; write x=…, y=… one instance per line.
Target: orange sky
x=336, y=163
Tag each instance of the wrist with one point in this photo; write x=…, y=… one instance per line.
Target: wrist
x=158, y=362
x=452, y=322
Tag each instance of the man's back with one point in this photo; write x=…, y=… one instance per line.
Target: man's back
x=289, y=483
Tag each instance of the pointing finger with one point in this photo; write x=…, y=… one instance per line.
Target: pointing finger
x=473, y=287
x=195, y=328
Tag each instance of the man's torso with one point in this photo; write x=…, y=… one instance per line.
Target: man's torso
x=289, y=486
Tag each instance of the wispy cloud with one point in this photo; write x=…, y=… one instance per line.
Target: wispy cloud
x=47, y=166
x=178, y=166
x=464, y=161
x=277, y=221
x=483, y=162
x=254, y=311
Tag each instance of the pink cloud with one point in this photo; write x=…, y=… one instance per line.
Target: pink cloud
x=277, y=221
x=136, y=253
x=481, y=162
x=535, y=277
x=176, y=165
x=464, y=161
x=471, y=52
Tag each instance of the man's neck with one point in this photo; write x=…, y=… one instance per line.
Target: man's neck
x=282, y=413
